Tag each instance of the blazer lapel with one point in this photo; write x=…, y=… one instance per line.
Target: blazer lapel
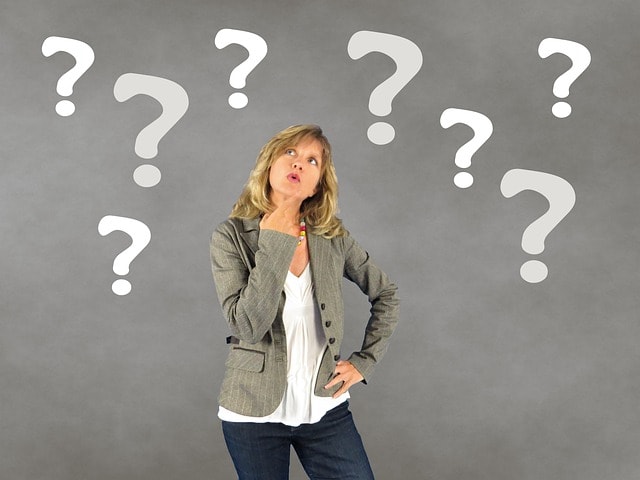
x=317, y=258
x=250, y=233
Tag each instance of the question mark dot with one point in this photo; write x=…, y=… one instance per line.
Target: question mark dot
x=381, y=133
x=64, y=108
x=561, y=109
x=534, y=271
x=147, y=176
x=238, y=100
x=463, y=180
x=121, y=287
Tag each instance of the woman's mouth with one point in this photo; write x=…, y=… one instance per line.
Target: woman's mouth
x=292, y=177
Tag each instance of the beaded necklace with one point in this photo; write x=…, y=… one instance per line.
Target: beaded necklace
x=303, y=231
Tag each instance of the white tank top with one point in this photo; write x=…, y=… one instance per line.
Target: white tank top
x=306, y=344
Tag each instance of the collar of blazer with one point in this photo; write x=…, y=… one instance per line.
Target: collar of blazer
x=250, y=232
x=319, y=249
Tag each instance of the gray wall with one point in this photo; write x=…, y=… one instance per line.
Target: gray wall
x=487, y=377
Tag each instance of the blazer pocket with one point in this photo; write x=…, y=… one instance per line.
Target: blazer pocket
x=244, y=359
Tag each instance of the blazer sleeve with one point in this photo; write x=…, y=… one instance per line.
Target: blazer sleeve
x=250, y=296
x=382, y=295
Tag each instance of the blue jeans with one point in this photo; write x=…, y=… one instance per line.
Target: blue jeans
x=329, y=449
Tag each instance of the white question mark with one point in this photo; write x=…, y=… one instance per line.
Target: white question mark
x=140, y=238
x=257, y=48
x=174, y=101
x=561, y=197
x=84, y=56
x=408, y=59
x=581, y=58
x=482, y=129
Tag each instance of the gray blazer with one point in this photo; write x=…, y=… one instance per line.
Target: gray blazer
x=249, y=268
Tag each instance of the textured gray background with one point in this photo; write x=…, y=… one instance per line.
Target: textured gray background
x=488, y=377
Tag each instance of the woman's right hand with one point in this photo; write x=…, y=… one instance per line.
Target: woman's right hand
x=285, y=218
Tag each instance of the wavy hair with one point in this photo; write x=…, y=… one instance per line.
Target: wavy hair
x=319, y=211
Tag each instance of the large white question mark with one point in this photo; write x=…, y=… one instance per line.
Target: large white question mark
x=561, y=197
x=140, y=238
x=174, y=101
x=84, y=57
x=257, y=48
x=482, y=130
x=408, y=59
x=581, y=58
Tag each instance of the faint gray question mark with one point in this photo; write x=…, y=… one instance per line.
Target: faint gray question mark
x=140, y=238
x=408, y=59
x=561, y=197
x=257, y=48
x=581, y=58
x=84, y=57
x=174, y=101
x=482, y=129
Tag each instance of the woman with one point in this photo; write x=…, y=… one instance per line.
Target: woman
x=278, y=264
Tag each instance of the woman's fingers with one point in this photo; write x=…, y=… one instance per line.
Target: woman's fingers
x=281, y=219
x=346, y=374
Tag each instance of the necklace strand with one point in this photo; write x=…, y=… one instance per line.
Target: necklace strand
x=303, y=231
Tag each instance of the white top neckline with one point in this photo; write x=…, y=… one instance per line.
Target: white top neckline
x=298, y=277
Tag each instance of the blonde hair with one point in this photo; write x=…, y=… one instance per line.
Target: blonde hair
x=319, y=211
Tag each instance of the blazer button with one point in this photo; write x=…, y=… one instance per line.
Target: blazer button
x=327, y=323
x=332, y=340
x=336, y=357
x=322, y=306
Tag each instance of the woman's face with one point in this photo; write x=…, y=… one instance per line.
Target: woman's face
x=296, y=172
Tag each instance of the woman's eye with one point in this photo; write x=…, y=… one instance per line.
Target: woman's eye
x=290, y=151
x=313, y=161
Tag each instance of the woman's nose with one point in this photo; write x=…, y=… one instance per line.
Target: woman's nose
x=297, y=165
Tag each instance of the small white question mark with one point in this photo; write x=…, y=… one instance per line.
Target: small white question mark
x=174, y=101
x=84, y=56
x=482, y=129
x=408, y=59
x=257, y=48
x=581, y=58
x=561, y=197
x=140, y=238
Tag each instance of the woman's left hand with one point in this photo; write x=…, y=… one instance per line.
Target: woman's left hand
x=347, y=373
